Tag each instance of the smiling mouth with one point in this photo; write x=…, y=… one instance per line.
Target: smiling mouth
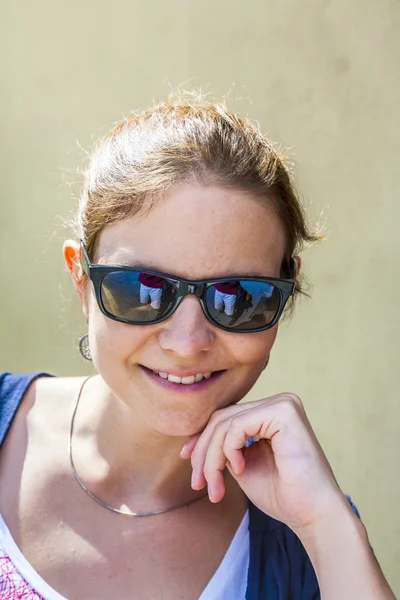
x=186, y=380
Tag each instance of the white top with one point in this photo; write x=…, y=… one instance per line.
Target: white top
x=230, y=579
x=18, y=579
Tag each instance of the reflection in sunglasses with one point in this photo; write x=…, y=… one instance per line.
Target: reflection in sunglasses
x=150, y=289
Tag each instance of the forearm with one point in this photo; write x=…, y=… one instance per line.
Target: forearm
x=341, y=555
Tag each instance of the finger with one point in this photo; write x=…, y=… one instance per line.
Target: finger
x=243, y=427
x=188, y=448
x=215, y=462
x=198, y=454
x=221, y=453
x=263, y=420
x=295, y=399
x=260, y=423
x=235, y=443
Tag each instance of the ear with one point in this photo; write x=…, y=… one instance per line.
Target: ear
x=72, y=257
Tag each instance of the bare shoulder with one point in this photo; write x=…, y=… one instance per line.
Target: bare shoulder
x=38, y=431
x=47, y=398
x=53, y=396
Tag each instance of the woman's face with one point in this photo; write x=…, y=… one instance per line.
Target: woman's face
x=194, y=233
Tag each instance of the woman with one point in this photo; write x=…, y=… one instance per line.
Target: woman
x=167, y=487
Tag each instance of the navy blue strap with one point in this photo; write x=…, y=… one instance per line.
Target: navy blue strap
x=12, y=390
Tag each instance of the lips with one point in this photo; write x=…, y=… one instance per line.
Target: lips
x=186, y=380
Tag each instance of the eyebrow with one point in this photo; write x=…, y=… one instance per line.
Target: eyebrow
x=139, y=266
x=131, y=263
x=118, y=261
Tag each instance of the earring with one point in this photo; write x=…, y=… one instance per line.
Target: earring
x=84, y=347
x=266, y=364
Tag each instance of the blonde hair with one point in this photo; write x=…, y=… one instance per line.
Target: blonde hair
x=176, y=141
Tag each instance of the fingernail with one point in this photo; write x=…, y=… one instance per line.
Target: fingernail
x=230, y=468
x=194, y=479
x=236, y=470
x=184, y=451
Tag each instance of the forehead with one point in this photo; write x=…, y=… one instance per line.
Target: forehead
x=199, y=232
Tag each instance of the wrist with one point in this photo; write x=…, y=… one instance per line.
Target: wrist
x=341, y=555
x=336, y=518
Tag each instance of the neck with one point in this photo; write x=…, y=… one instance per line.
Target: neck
x=122, y=460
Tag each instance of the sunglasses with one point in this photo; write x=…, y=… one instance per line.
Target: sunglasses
x=142, y=297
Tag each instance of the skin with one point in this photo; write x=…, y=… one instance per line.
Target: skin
x=219, y=237
x=286, y=474
x=140, y=445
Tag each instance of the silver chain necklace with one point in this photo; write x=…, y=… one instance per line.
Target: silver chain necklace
x=126, y=513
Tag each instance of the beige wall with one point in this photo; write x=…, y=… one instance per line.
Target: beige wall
x=323, y=77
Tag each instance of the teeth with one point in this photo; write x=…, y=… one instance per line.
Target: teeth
x=174, y=379
x=189, y=380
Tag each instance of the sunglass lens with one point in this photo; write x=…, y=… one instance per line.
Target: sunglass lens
x=136, y=297
x=243, y=304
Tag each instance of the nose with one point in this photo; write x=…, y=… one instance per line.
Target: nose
x=187, y=332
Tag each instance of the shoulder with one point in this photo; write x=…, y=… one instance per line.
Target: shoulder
x=14, y=384
x=25, y=393
x=33, y=457
x=13, y=389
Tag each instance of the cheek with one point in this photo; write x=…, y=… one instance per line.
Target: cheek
x=253, y=348
x=250, y=351
x=112, y=344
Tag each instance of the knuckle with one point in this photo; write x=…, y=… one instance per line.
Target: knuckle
x=228, y=447
x=296, y=400
x=235, y=426
x=196, y=456
x=209, y=470
x=289, y=407
x=215, y=417
x=220, y=427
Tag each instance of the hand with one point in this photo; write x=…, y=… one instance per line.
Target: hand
x=285, y=473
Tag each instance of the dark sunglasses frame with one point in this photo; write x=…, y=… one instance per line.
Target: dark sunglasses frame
x=184, y=287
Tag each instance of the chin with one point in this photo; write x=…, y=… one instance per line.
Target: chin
x=177, y=424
